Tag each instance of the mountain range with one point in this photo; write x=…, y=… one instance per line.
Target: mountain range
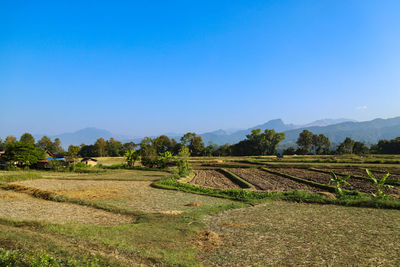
x=335, y=129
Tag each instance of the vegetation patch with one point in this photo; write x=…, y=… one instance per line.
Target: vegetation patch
x=236, y=179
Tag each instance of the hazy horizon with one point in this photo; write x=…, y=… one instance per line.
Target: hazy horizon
x=149, y=68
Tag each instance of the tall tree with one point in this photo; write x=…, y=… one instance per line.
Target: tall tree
x=194, y=142
x=163, y=144
x=270, y=141
x=346, y=147
x=57, y=149
x=9, y=140
x=321, y=144
x=101, y=147
x=305, y=141
x=27, y=138
x=113, y=148
x=23, y=154
x=360, y=148
x=45, y=143
x=73, y=151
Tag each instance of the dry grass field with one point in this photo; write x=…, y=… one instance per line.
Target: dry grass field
x=117, y=218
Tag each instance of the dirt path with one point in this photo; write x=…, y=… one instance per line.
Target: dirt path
x=213, y=179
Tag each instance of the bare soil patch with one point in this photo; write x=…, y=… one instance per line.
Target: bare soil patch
x=24, y=207
x=213, y=179
x=265, y=181
x=323, y=178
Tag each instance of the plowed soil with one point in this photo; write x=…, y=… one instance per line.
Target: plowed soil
x=363, y=173
x=265, y=181
x=323, y=178
x=212, y=179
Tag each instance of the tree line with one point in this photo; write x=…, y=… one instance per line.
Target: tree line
x=155, y=151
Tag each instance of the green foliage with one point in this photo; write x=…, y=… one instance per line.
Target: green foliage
x=73, y=152
x=236, y=179
x=18, y=176
x=182, y=163
x=131, y=156
x=11, y=258
x=27, y=138
x=339, y=182
x=379, y=184
x=166, y=159
x=357, y=200
x=9, y=140
x=113, y=148
x=305, y=141
x=101, y=147
x=56, y=165
x=194, y=142
x=23, y=154
x=258, y=143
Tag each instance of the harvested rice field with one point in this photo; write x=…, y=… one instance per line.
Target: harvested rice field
x=323, y=178
x=266, y=181
x=24, y=207
x=292, y=234
x=119, y=175
x=129, y=195
x=213, y=179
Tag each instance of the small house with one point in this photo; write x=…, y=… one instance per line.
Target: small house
x=89, y=161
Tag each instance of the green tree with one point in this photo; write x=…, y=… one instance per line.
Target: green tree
x=148, y=153
x=101, y=147
x=2, y=146
x=305, y=141
x=73, y=152
x=113, y=148
x=360, y=148
x=23, y=154
x=163, y=144
x=9, y=140
x=56, y=148
x=27, y=138
x=321, y=144
x=194, y=142
x=346, y=147
x=270, y=141
x=45, y=143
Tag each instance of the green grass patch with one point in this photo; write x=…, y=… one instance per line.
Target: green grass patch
x=19, y=176
x=236, y=179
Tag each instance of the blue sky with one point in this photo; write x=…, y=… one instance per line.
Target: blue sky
x=149, y=67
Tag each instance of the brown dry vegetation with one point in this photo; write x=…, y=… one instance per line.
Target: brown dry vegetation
x=127, y=195
x=271, y=182
x=24, y=207
x=213, y=179
x=292, y=234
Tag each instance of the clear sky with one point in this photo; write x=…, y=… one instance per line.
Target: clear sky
x=149, y=67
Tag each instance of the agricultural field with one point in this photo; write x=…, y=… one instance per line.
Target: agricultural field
x=231, y=212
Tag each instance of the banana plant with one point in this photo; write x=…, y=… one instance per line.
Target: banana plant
x=338, y=182
x=379, y=184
